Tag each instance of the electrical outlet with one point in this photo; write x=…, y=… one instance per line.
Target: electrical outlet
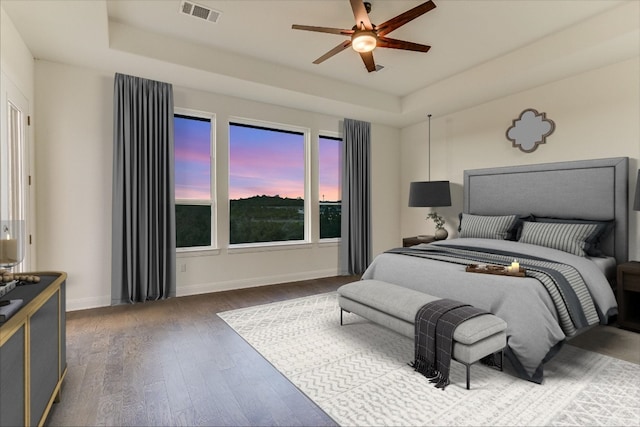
x=183, y=268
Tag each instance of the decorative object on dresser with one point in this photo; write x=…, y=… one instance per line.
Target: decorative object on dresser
x=8, y=308
x=530, y=130
x=8, y=281
x=431, y=194
x=33, y=351
x=11, y=243
x=628, y=288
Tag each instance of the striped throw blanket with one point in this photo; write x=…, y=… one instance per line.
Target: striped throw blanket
x=435, y=324
x=565, y=285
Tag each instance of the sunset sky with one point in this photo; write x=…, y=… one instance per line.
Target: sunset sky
x=192, y=158
x=261, y=162
x=329, y=160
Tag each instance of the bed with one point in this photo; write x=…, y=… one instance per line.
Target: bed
x=567, y=225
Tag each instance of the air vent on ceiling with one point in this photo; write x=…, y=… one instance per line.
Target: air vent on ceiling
x=198, y=11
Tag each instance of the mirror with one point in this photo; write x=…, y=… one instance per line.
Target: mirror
x=530, y=130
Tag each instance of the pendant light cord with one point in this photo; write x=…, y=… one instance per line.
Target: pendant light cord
x=429, y=148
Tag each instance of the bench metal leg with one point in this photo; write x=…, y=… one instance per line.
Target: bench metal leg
x=468, y=376
x=342, y=311
x=468, y=365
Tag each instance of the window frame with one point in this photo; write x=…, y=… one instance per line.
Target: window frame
x=17, y=200
x=274, y=126
x=213, y=246
x=334, y=136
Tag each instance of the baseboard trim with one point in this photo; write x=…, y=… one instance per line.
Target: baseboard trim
x=204, y=288
x=86, y=303
x=230, y=285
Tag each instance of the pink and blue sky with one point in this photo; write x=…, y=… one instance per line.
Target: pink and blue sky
x=261, y=162
x=192, y=158
x=329, y=173
x=265, y=162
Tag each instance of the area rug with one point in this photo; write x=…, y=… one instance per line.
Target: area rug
x=358, y=374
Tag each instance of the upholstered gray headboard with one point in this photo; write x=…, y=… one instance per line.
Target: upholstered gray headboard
x=587, y=189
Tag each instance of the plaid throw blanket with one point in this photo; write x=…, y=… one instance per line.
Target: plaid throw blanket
x=435, y=324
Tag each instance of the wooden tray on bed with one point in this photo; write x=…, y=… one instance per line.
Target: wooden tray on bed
x=494, y=269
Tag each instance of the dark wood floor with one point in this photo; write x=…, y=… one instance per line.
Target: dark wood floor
x=175, y=362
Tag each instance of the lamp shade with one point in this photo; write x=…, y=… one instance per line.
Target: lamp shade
x=429, y=194
x=636, y=204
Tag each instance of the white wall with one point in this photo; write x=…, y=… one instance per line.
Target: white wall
x=15, y=59
x=74, y=161
x=597, y=115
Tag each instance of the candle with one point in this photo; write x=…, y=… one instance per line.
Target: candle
x=8, y=251
x=515, y=266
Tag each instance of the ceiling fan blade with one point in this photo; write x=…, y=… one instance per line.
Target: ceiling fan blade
x=361, y=15
x=322, y=29
x=342, y=46
x=403, y=18
x=401, y=44
x=367, y=58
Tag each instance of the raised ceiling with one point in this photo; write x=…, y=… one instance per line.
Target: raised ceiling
x=481, y=49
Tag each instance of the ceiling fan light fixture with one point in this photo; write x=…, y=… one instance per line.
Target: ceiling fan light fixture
x=364, y=41
x=364, y=36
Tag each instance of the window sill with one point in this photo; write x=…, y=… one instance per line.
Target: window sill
x=265, y=247
x=255, y=247
x=196, y=252
x=327, y=243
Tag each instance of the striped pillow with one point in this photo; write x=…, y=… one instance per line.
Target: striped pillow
x=572, y=238
x=487, y=227
x=595, y=240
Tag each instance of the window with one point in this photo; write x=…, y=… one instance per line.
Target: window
x=267, y=182
x=193, y=180
x=329, y=149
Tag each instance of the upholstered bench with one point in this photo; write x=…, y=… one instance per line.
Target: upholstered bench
x=395, y=307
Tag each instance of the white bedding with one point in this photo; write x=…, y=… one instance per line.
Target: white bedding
x=606, y=264
x=533, y=332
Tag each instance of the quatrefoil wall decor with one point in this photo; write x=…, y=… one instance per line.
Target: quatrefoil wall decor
x=530, y=130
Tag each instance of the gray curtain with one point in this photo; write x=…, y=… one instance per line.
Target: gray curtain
x=143, y=245
x=355, y=251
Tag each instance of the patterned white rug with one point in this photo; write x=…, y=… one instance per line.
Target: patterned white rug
x=358, y=374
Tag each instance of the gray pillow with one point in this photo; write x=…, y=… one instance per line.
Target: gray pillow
x=487, y=227
x=567, y=237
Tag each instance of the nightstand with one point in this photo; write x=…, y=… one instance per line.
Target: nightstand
x=628, y=290
x=416, y=240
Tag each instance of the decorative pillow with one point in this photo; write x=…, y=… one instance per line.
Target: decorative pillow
x=593, y=242
x=567, y=237
x=488, y=227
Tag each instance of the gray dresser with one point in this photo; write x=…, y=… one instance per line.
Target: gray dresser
x=33, y=351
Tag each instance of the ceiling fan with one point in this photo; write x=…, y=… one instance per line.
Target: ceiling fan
x=365, y=36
